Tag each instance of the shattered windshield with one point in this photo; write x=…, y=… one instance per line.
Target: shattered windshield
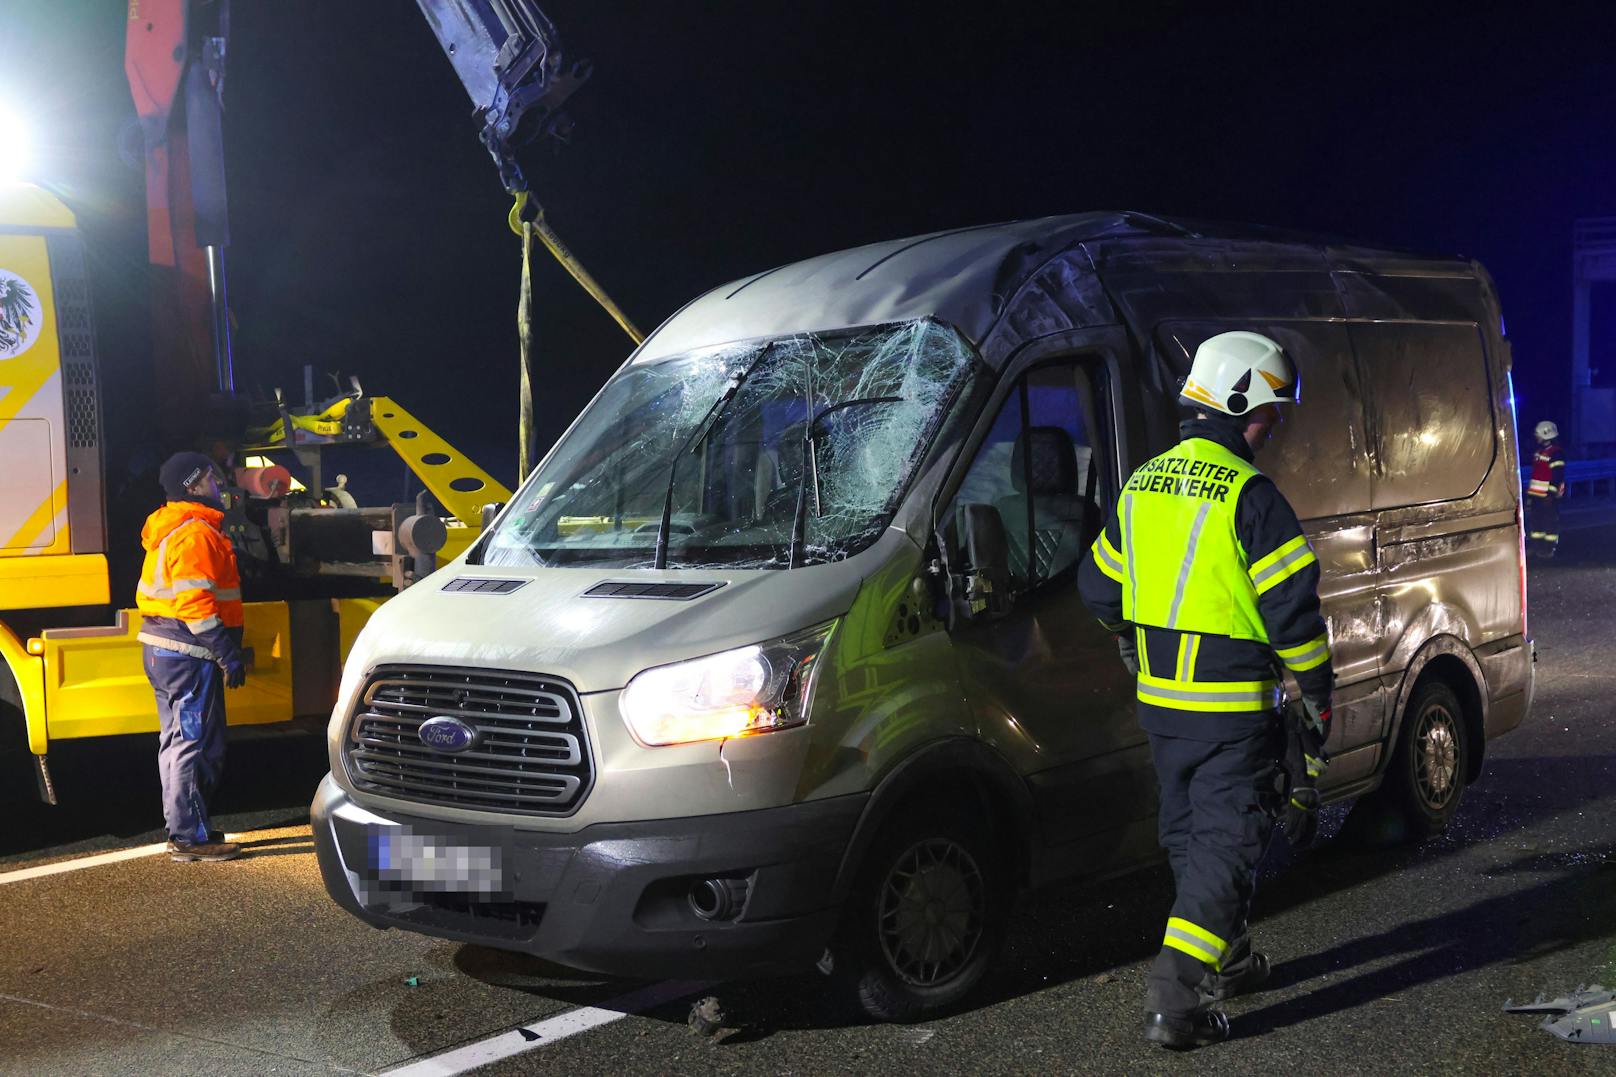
x=725, y=430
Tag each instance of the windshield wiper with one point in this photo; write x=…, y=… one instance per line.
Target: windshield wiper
x=810, y=463
x=697, y=438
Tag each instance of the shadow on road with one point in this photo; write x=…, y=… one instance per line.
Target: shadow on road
x=1085, y=931
x=1573, y=906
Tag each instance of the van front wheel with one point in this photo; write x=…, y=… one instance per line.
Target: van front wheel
x=925, y=918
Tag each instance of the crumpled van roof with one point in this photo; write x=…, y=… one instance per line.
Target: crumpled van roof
x=1002, y=284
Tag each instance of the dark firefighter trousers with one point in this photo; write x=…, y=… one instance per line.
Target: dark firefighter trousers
x=1219, y=800
x=190, y=741
x=1543, y=523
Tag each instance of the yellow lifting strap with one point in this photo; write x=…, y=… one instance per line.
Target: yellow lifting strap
x=524, y=339
x=569, y=262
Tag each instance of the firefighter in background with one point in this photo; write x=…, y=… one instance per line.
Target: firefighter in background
x=190, y=603
x=1206, y=578
x=1544, y=491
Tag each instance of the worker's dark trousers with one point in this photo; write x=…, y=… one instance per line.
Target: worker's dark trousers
x=1218, y=803
x=190, y=742
x=1543, y=524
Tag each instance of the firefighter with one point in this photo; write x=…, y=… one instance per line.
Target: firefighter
x=190, y=602
x=1204, y=575
x=1544, y=492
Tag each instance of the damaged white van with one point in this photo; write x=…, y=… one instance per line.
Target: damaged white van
x=777, y=658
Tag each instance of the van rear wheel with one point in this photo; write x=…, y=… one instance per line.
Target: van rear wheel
x=1423, y=785
x=925, y=918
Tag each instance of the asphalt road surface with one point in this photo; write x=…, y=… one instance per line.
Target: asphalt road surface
x=1384, y=960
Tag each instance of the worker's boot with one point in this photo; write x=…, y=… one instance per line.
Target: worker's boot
x=1200, y=1028
x=1177, y=1013
x=203, y=850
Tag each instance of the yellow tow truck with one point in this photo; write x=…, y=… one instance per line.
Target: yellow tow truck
x=315, y=563
x=70, y=679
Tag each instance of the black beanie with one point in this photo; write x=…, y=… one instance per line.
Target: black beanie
x=181, y=470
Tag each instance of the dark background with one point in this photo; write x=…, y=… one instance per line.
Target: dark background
x=721, y=138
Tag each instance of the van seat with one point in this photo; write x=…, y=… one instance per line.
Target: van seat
x=1062, y=517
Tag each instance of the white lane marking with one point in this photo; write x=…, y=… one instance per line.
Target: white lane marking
x=505, y=1044
x=97, y=859
x=82, y=862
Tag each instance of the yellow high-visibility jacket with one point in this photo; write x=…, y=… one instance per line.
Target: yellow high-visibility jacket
x=1204, y=560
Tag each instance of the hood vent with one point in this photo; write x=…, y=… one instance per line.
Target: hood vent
x=483, y=586
x=678, y=592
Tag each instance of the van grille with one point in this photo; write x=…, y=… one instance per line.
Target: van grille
x=531, y=755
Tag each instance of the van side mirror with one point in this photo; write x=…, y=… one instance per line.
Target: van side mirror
x=490, y=511
x=987, y=547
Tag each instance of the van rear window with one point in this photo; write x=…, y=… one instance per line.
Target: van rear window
x=1429, y=404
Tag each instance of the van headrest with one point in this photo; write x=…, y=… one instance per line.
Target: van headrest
x=1054, y=463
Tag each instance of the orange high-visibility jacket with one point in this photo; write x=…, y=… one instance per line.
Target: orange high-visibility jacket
x=189, y=576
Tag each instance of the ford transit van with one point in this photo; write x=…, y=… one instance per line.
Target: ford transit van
x=777, y=658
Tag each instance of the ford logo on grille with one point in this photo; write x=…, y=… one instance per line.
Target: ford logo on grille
x=446, y=734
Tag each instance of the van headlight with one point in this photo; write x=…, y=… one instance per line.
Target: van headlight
x=755, y=689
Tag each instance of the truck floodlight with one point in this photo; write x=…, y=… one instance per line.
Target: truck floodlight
x=16, y=155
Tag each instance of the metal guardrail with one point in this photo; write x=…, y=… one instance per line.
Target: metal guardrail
x=1588, y=474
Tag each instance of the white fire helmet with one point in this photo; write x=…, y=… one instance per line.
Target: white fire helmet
x=1237, y=372
x=1546, y=431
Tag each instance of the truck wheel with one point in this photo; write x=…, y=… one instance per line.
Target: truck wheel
x=1421, y=791
x=925, y=917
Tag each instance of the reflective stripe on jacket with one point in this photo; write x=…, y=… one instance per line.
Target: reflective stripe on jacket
x=189, y=575
x=1204, y=560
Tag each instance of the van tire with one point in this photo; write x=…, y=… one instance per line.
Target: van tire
x=934, y=877
x=1426, y=779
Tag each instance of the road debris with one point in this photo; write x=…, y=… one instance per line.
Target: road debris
x=1584, y=1016
x=707, y=1020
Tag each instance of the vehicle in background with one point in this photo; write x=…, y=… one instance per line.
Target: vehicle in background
x=777, y=658
x=314, y=561
x=312, y=573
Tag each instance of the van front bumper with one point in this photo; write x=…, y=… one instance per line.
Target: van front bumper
x=612, y=898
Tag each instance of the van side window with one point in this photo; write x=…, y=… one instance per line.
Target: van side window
x=1038, y=467
x=1430, y=407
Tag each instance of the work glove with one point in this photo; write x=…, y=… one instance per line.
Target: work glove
x=1314, y=723
x=1301, y=820
x=1305, y=760
x=235, y=671
x=1129, y=650
x=225, y=643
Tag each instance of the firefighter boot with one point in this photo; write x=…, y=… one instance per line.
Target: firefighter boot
x=1202, y=1028
x=1177, y=1015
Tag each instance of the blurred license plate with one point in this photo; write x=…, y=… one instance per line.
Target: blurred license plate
x=432, y=862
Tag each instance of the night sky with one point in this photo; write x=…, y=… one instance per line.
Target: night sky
x=721, y=138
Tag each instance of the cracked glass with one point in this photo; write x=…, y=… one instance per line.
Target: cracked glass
x=807, y=441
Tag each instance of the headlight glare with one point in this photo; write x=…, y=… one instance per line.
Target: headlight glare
x=749, y=690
